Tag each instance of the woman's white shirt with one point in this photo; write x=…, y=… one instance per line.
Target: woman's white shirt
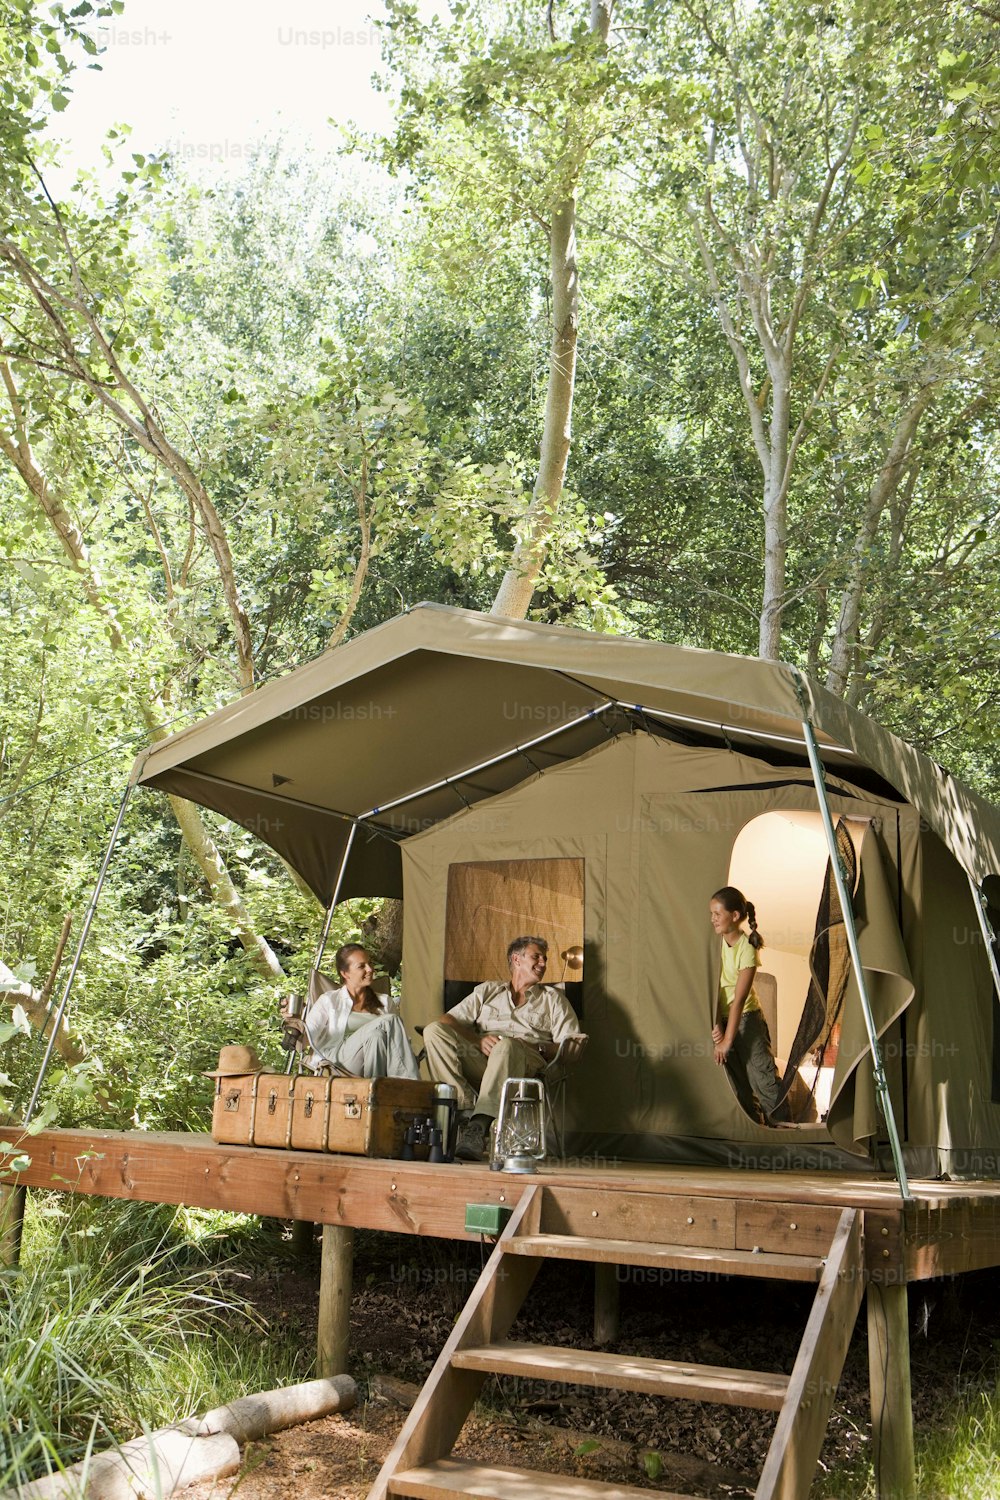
x=326, y=1022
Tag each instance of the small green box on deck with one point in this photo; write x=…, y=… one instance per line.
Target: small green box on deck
x=486, y=1218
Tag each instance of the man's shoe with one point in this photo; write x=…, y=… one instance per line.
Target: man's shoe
x=472, y=1137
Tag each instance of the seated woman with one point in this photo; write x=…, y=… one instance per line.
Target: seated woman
x=354, y=1028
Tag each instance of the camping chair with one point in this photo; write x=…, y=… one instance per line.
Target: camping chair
x=555, y=1077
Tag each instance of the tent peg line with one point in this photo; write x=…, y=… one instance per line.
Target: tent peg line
x=851, y=932
x=81, y=943
x=989, y=936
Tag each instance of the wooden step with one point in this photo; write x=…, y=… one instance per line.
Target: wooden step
x=448, y=1478
x=627, y=1372
x=701, y=1261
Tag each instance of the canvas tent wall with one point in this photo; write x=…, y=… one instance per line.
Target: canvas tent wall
x=654, y=825
x=445, y=732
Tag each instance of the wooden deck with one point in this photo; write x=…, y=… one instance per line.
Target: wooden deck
x=848, y=1234
x=951, y=1227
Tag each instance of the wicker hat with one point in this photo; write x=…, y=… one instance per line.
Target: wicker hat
x=234, y=1060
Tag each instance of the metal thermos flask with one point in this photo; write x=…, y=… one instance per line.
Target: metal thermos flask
x=445, y=1116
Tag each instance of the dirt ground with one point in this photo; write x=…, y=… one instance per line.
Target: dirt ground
x=407, y=1294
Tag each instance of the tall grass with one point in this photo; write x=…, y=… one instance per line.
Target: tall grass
x=109, y=1327
x=958, y=1460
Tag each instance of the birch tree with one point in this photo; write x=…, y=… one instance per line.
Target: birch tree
x=762, y=155
x=500, y=125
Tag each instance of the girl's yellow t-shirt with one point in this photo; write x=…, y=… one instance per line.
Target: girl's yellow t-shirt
x=740, y=955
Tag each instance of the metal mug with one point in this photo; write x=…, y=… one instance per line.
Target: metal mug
x=292, y=1006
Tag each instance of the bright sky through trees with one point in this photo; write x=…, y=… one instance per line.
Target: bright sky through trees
x=206, y=80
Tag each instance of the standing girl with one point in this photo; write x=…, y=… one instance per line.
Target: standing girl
x=742, y=1040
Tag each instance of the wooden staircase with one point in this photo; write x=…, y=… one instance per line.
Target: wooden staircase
x=546, y=1225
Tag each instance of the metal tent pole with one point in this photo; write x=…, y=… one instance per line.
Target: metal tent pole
x=293, y=1057
x=989, y=936
x=56, y=1021
x=334, y=898
x=846, y=907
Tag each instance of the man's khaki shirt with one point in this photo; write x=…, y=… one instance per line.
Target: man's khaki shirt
x=544, y=1016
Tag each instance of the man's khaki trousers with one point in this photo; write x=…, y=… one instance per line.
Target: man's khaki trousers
x=451, y=1059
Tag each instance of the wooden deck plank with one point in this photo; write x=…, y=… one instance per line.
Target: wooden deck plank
x=703, y=1261
x=629, y=1372
x=680, y=1219
x=449, y=1479
x=844, y=1190
x=952, y=1226
x=806, y=1229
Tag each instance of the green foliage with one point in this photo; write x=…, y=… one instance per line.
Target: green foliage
x=960, y=1457
x=352, y=357
x=115, y=1324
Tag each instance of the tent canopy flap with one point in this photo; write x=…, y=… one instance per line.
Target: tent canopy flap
x=436, y=694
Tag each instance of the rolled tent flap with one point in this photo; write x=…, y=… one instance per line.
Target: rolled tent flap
x=853, y=1118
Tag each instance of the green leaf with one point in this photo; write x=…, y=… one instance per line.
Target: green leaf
x=653, y=1464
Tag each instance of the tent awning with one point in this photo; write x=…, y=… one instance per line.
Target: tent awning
x=440, y=708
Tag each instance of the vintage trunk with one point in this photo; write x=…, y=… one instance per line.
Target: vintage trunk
x=357, y=1116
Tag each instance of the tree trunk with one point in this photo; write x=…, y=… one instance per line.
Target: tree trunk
x=124, y=402
x=35, y=1006
x=775, y=518
x=518, y=583
x=17, y=449
x=882, y=489
x=382, y=933
x=224, y=893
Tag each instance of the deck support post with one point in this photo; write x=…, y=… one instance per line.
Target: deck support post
x=606, y=1303
x=335, y=1277
x=12, y=1203
x=302, y=1236
x=889, y=1379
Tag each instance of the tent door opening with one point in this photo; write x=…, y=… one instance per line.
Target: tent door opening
x=780, y=862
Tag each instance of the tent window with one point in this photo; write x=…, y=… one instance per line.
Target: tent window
x=492, y=901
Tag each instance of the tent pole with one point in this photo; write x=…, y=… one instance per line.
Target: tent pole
x=484, y=765
x=293, y=1057
x=881, y=1082
x=334, y=898
x=56, y=1021
x=989, y=936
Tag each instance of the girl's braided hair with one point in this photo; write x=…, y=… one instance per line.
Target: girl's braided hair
x=735, y=901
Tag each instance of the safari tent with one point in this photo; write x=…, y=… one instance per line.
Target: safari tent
x=507, y=777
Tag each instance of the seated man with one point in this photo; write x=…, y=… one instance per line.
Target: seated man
x=500, y=1031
